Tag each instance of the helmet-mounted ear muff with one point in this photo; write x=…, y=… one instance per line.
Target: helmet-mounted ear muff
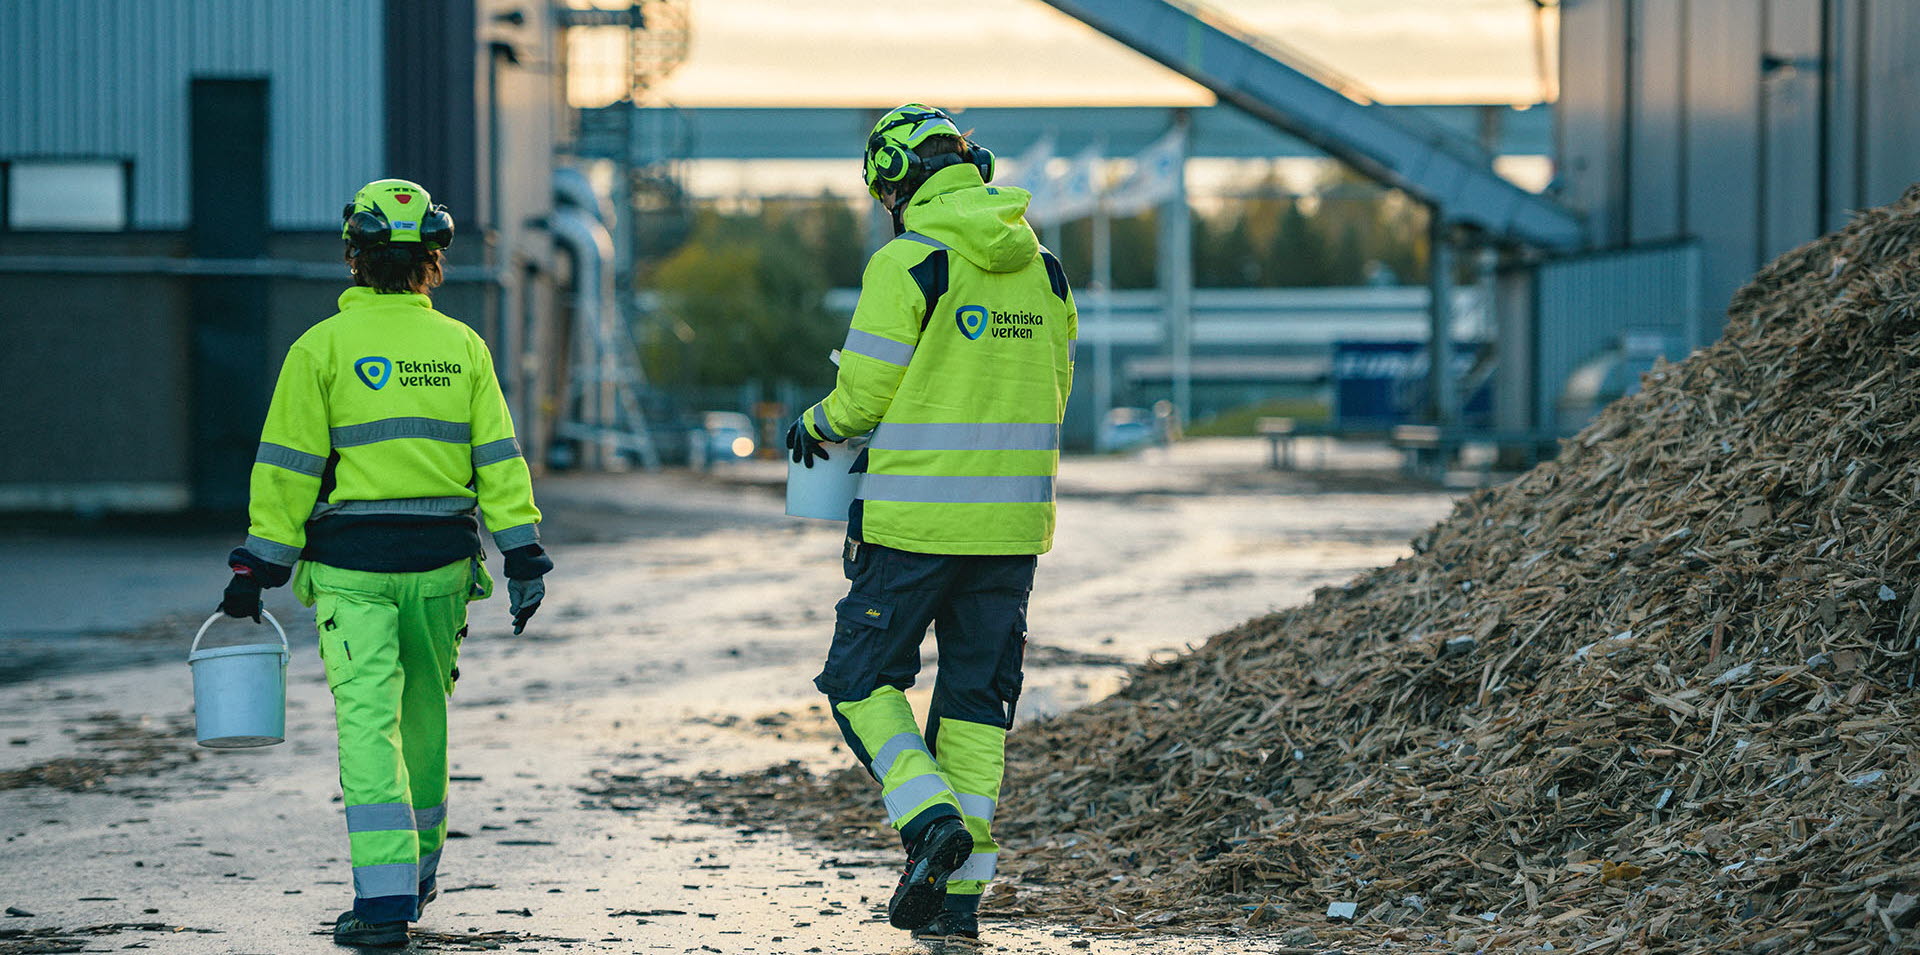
x=365, y=225
x=891, y=162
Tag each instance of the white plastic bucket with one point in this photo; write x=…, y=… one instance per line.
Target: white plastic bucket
x=240, y=693
x=825, y=491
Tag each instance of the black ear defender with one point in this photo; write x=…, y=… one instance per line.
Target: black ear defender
x=982, y=158
x=436, y=228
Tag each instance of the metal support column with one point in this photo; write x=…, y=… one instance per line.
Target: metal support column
x=1176, y=276
x=1440, y=384
x=1103, y=322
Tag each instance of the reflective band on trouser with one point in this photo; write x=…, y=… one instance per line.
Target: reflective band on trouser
x=943, y=489
x=877, y=347
x=429, y=865
x=423, y=506
x=966, y=436
x=820, y=424
x=978, y=807
x=1073, y=345
x=903, y=799
x=513, y=537
x=494, y=452
x=272, y=551
x=281, y=456
x=391, y=429
x=979, y=867
x=891, y=750
x=382, y=817
x=430, y=816
x=377, y=881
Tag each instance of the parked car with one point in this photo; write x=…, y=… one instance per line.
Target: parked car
x=1126, y=428
x=722, y=436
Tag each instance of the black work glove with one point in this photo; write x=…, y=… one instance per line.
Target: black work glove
x=523, y=599
x=526, y=567
x=805, y=446
x=250, y=576
x=242, y=597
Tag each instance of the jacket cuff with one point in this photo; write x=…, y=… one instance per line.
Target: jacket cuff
x=269, y=574
x=527, y=562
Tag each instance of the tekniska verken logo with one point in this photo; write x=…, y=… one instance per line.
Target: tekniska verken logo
x=377, y=372
x=977, y=320
x=972, y=320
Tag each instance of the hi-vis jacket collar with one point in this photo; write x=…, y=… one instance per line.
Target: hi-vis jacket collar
x=361, y=296
x=985, y=224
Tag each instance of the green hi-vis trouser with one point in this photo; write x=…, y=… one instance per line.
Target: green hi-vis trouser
x=978, y=607
x=390, y=642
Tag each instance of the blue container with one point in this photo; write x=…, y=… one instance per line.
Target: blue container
x=240, y=692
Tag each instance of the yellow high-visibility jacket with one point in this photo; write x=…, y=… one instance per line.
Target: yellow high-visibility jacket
x=959, y=361
x=386, y=434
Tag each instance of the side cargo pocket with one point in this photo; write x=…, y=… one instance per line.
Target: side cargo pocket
x=859, y=648
x=335, y=650
x=1009, y=677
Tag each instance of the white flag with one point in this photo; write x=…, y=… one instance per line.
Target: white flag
x=1157, y=173
x=1076, y=193
x=1030, y=168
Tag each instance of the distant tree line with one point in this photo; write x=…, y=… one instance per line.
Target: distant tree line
x=746, y=292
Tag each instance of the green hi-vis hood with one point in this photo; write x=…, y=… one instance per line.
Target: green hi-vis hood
x=985, y=224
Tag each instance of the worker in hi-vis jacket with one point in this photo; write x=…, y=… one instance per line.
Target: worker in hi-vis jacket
x=958, y=363
x=387, y=432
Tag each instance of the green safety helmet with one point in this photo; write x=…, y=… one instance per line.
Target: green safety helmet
x=890, y=159
x=394, y=211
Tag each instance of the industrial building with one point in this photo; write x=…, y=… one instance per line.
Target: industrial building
x=171, y=177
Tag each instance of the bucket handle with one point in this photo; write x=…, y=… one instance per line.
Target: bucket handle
x=264, y=612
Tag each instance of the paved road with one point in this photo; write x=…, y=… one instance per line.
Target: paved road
x=681, y=634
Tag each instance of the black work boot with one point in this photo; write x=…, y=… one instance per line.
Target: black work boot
x=941, y=849
x=950, y=925
x=348, y=929
x=421, y=909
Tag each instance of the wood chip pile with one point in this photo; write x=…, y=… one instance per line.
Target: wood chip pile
x=1658, y=693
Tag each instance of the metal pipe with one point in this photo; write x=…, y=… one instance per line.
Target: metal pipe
x=592, y=247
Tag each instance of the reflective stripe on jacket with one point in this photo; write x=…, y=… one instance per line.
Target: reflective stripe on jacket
x=959, y=362
x=388, y=408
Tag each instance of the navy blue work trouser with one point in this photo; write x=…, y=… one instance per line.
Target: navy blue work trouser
x=977, y=606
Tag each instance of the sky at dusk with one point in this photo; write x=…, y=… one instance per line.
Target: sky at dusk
x=1023, y=52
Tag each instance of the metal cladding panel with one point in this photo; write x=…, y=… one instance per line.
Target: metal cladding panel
x=109, y=79
x=1587, y=304
x=1658, y=111
x=1891, y=138
x=1592, y=76
x=1790, y=155
x=1723, y=141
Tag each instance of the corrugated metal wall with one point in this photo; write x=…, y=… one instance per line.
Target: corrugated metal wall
x=1750, y=125
x=108, y=78
x=1588, y=304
